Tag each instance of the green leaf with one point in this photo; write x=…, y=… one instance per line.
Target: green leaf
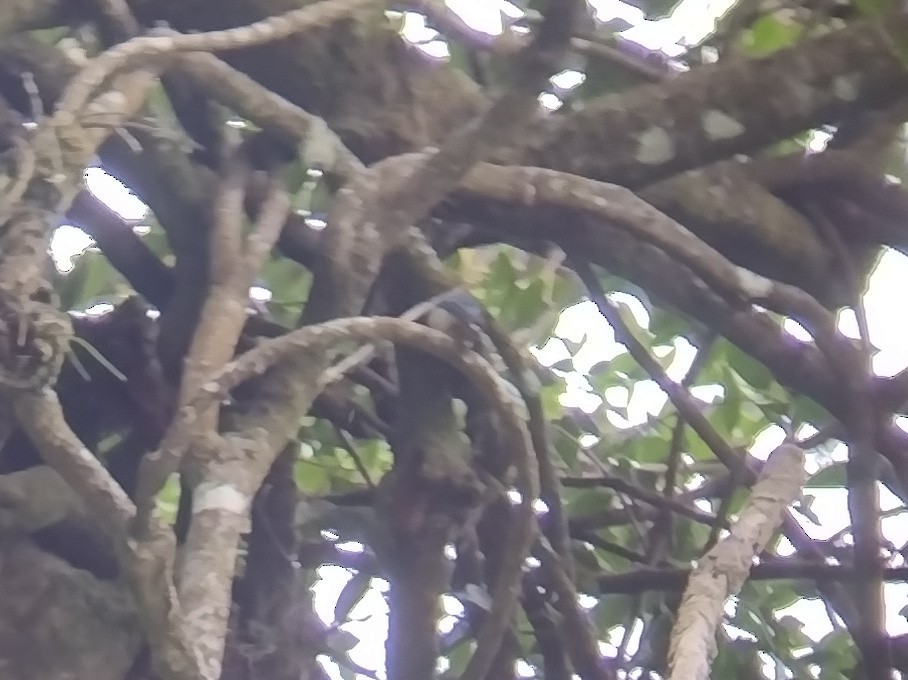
x=51, y=36
x=644, y=449
x=697, y=448
x=666, y=326
x=625, y=364
x=564, y=365
x=565, y=292
x=526, y=305
x=738, y=659
x=664, y=358
x=587, y=502
x=729, y=410
x=573, y=346
x=289, y=284
x=460, y=56
x=835, y=652
x=502, y=274
x=751, y=370
x=92, y=280
x=752, y=420
x=769, y=34
x=587, y=560
x=156, y=240
x=779, y=595
x=168, y=499
x=549, y=397
x=611, y=611
x=312, y=477
x=459, y=656
x=806, y=410
x=566, y=445
x=874, y=7
x=350, y=595
x=375, y=455
x=340, y=640
x=830, y=477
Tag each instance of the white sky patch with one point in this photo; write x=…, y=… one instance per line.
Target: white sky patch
x=115, y=194
x=100, y=308
x=453, y=612
x=888, y=329
x=796, y=330
x=690, y=22
x=368, y=619
x=568, y=80
x=482, y=16
x=582, y=323
x=259, y=293
x=316, y=223
x=818, y=140
x=525, y=670
x=67, y=243
x=707, y=393
x=767, y=441
x=415, y=30
x=350, y=546
x=696, y=18
x=510, y=10
x=550, y=101
x=614, y=9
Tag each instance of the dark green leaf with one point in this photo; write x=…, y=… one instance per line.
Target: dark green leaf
x=565, y=365
x=755, y=373
x=549, y=395
x=350, y=595
x=830, y=477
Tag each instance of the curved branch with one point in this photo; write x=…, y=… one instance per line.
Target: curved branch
x=316, y=339
x=733, y=106
x=145, y=51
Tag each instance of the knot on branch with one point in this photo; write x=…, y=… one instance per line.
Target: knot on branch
x=34, y=337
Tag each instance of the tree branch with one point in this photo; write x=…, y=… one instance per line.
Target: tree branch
x=723, y=570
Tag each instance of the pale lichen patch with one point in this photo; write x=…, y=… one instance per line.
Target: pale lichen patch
x=655, y=146
x=719, y=125
x=846, y=87
x=754, y=286
x=219, y=496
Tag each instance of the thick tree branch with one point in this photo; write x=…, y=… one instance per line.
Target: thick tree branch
x=735, y=106
x=793, y=569
x=723, y=570
x=125, y=250
x=22, y=15
x=146, y=51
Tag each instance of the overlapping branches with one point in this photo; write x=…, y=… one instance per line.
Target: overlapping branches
x=370, y=218
x=230, y=469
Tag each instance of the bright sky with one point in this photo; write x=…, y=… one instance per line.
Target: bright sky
x=691, y=21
